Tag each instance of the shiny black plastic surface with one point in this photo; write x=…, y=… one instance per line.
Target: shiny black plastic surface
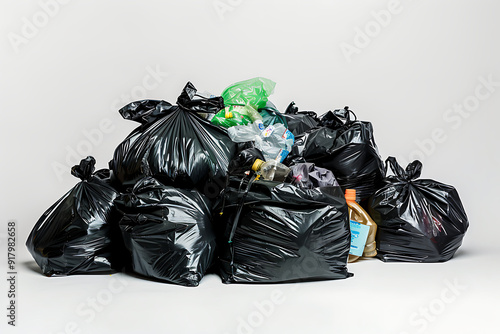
x=282, y=234
x=181, y=148
x=347, y=148
x=244, y=160
x=300, y=121
x=168, y=232
x=418, y=220
x=78, y=234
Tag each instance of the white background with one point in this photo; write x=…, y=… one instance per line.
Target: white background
x=74, y=69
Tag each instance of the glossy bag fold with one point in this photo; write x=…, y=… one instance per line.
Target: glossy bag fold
x=275, y=232
x=346, y=147
x=79, y=233
x=180, y=147
x=168, y=232
x=419, y=220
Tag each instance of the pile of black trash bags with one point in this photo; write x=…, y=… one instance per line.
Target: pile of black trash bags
x=180, y=200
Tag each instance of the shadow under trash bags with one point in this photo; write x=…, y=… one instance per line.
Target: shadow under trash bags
x=418, y=220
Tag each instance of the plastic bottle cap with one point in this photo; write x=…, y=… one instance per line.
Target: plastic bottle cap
x=257, y=164
x=350, y=195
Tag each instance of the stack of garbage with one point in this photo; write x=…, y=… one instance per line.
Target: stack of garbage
x=228, y=183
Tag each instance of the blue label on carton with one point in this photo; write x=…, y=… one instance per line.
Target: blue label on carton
x=281, y=155
x=359, y=234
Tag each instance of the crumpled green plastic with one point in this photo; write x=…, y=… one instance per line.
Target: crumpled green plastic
x=253, y=92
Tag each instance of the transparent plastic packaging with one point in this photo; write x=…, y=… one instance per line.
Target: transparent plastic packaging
x=275, y=141
x=236, y=115
x=271, y=170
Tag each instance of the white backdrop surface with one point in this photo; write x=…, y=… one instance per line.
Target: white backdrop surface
x=425, y=73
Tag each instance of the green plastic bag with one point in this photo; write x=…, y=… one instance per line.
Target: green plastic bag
x=236, y=115
x=271, y=115
x=253, y=93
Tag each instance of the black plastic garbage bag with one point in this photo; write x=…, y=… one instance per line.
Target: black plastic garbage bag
x=418, y=220
x=307, y=175
x=168, y=232
x=347, y=148
x=244, y=161
x=300, y=121
x=181, y=148
x=276, y=232
x=79, y=233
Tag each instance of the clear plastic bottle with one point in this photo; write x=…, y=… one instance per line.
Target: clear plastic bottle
x=275, y=141
x=358, y=214
x=271, y=170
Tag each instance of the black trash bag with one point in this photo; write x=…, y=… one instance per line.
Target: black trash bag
x=168, y=232
x=418, y=220
x=181, y=148
x=276, y=232
x=307, y=175
x=347, y=148
x=300, y=121
x=244, y=161
x=79, y=233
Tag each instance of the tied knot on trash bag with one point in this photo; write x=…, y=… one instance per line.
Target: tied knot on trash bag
x=85, y=169
x=412, y=171
x=148, y=111
x=182, y=148
x=346, y=146
x=292, y=109
x=279, y=213
x=300, y=121
x=419, y=220
x=78, y=234
x=339, y=118
x=145, y=111
x=188, y=101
